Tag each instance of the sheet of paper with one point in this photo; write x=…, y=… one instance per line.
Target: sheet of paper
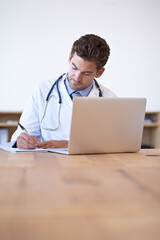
x=16, y=150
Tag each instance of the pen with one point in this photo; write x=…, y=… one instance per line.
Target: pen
x=23, y=128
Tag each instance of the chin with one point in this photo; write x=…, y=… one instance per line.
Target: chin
x=73, y=86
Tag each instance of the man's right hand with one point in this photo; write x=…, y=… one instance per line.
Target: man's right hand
x=24, y=141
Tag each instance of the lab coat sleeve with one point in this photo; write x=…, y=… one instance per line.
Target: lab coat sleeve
x=8, y=144
x=30, y=116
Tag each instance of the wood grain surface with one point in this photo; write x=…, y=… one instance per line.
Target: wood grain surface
x=81, y=197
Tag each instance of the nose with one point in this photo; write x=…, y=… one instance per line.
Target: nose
x=78, y=76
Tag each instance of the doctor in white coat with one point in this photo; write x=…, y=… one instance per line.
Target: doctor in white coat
x=50, y=121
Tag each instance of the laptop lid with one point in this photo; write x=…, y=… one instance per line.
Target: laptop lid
x=106, y=125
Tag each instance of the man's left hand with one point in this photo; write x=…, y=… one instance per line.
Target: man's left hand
x=53, y=144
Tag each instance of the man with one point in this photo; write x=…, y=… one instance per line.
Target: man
x=50, y=123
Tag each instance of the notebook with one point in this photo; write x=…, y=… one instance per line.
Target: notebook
x=105, y=125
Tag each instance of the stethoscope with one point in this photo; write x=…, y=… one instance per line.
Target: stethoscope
x=56, y=84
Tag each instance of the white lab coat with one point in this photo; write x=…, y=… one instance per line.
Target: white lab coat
x=32, y=114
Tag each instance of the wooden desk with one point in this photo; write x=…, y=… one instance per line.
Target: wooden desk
x=89, y=197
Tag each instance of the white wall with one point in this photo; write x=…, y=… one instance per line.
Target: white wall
x=36, y=37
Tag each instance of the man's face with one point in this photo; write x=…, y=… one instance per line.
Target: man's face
x=82, y=73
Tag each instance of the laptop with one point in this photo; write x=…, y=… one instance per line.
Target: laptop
x=105, y=125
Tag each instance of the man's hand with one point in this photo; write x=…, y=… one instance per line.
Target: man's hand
x=53, y=144
x=24, y=141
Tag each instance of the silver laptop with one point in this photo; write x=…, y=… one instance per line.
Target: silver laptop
x=105, y=125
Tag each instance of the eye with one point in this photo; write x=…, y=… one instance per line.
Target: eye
x=74, y=68
x=87, y=73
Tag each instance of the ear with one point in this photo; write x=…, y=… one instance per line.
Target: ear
x=100, y=72
x=69, y=59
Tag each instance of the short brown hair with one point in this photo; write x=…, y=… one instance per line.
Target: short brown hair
x=92, y=48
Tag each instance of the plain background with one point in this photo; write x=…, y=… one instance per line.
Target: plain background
x=36, y=37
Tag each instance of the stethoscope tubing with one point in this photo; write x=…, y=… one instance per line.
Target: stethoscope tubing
x=59, y=95
x=59, y=101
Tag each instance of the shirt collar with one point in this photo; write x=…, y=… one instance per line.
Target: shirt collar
x=84, y=92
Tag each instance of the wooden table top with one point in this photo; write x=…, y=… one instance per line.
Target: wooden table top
x=81, y=197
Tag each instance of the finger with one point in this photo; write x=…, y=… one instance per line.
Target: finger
x=35, y=140
x=53, y=144
x=24, y=144
x=26, y=141
x=30, y=139
x=43, y=145
x=48, y=144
